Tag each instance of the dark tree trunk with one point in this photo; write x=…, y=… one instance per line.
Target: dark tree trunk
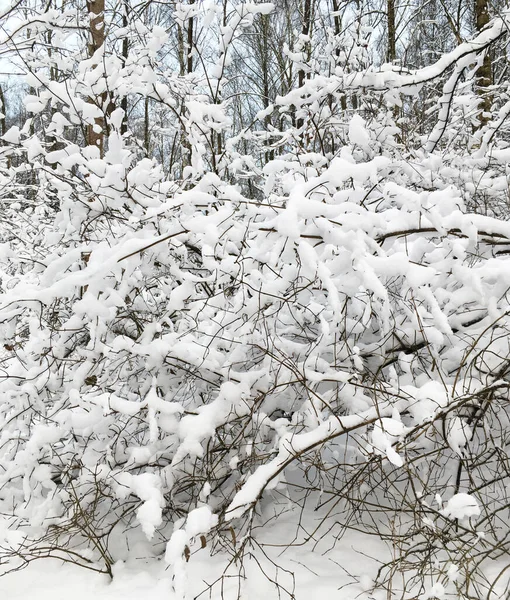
x=125, y=51
x=96, y=7
x=306, y=29
x=189, y=65
x=392, y=36
x=3, y=108
x=337, y=22
x=484, y=73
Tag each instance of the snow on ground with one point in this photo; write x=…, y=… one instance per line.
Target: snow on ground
x=327, y=569
x=343, y=573
x=53, y=580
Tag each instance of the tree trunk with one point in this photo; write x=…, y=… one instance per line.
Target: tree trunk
x=190, y=42
x=265, y=31
x=306, y=29
x=125, y=51
x=392, y=37
x=3, y=123
x=3, y=128
x=484, y=73
x=188, y=63
x=307, y=17
x=180, y=45
x=96, y=10
x=337, y=22
x=146, y=126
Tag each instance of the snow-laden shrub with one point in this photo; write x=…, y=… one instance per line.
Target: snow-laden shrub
x=182, y=360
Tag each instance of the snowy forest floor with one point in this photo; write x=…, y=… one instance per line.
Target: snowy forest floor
x=343, y=569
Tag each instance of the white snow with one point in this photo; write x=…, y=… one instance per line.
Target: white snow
x=461, y=506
